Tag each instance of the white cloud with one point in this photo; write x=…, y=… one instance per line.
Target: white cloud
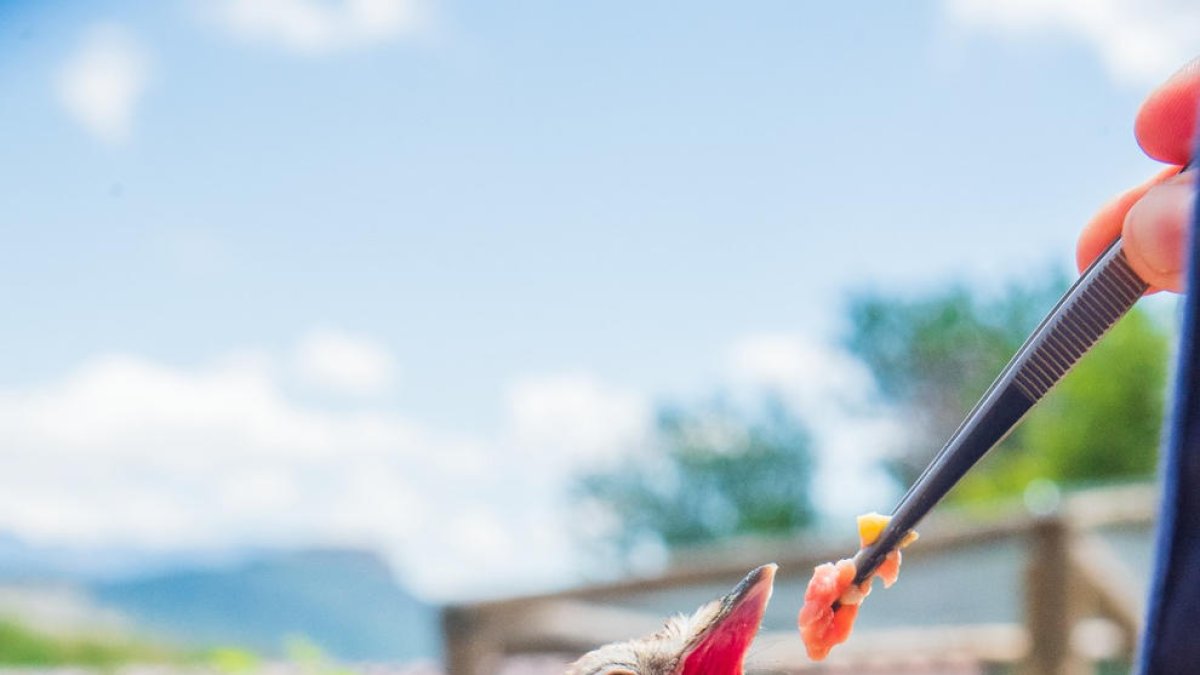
x=130, y=452
x=1139, y=41
x=345, y=363
x=575, y=415
x=127, y=451
x=833, y=393
x=101, y=83
x=818, y=375
x=315, y=26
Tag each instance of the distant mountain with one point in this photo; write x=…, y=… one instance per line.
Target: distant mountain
x=347, y=602
x=24, y=562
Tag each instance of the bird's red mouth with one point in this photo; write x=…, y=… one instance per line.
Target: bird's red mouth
x=723, y=645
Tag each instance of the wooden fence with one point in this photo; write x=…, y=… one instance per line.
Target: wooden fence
x=1080, y=605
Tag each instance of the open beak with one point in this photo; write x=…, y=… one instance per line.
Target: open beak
x=721, y=646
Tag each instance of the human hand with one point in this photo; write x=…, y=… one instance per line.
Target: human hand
x=1153, y=218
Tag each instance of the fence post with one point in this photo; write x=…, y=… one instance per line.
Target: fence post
x=1049, y=601
x=468, y=646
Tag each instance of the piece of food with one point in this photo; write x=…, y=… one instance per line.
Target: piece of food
x=832, y=599
x=870, y=526
x=822, y=626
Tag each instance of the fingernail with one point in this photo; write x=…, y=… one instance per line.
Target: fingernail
x=1155, y=228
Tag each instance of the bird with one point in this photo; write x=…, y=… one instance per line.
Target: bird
x=712, y=641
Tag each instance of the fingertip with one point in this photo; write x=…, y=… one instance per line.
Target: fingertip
x=1088, y=248
x=1104, y=227
x=1108, y=222
x=1165, y=124
x=1155, y=233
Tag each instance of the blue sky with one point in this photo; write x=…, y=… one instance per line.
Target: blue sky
x=385, y=271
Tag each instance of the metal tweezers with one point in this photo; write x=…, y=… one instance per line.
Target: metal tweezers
x=1101, y=296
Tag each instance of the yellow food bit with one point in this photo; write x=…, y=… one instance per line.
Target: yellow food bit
x=871, y=525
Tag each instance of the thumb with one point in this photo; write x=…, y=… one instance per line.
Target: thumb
x=1155, y=233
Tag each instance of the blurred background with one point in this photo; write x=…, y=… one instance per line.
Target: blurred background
x=352, y=334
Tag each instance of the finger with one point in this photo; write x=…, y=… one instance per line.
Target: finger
x=1155, y=232
x=1166, y=123
x=1108, y=223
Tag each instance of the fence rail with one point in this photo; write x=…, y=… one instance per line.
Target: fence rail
x=1080, y=604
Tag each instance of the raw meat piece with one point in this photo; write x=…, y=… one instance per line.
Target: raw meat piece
x=832, y=600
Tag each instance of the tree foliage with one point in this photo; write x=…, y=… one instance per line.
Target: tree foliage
x=21, y=645
x=1101, y=423
x=712, y=472
x=716, y=470
x=933, y=357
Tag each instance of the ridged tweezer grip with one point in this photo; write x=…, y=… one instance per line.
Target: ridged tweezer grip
x=1101, y=296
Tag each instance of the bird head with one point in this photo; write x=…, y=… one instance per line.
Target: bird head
x=713, y=641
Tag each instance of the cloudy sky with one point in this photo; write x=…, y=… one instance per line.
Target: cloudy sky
x=384, y=272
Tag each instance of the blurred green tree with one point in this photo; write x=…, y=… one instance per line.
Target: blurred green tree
x=1101, y=423
x=933, y=356
x=713, y=471
x=30, y=648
